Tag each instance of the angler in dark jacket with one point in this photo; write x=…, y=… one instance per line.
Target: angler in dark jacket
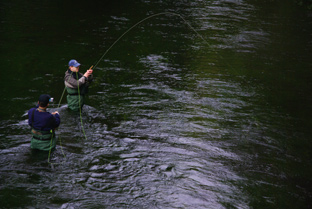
x=76, y=85
x=43, y=125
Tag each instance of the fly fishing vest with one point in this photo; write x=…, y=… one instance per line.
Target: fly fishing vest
x=76, y=99
x=42, y=140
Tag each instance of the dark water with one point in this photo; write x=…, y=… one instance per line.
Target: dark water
x=171, y=121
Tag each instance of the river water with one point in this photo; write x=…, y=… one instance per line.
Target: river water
x=171, y=120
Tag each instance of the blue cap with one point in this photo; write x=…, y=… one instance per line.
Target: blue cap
x=73, y=63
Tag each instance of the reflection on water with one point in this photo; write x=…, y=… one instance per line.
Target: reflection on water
x=170, y=122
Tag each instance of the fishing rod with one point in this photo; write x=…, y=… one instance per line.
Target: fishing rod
x=117, y=40
x=149, y=17
x=141, y=21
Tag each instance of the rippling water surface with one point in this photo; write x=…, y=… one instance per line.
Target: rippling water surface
x=171, y=121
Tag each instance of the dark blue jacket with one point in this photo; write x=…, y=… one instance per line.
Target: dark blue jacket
x=43, y=121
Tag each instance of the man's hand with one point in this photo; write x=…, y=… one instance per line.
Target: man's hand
x=56, y=112
x=88, y=73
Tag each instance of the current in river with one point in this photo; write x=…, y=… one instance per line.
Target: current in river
x=171, y=120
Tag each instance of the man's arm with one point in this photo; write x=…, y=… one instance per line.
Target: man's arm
x=56, y=119
x=29, y=117
x=72, y=83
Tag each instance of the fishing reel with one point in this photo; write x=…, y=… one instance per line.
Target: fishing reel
x=51, y=99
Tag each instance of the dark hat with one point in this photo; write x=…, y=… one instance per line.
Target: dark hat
x=44, y=99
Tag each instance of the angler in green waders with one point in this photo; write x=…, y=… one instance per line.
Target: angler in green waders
x=76, y=85
x=43, y=125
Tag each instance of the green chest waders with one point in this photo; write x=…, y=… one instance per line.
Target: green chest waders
x=42, y=140
x=74, y=100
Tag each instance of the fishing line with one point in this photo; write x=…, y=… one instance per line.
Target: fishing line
x=59, y=136
x=117, y=40
x=61, y=98
x=79, y=98
x=80, y=119
x=149, y=17
x=51, y=143
x=51, y=149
